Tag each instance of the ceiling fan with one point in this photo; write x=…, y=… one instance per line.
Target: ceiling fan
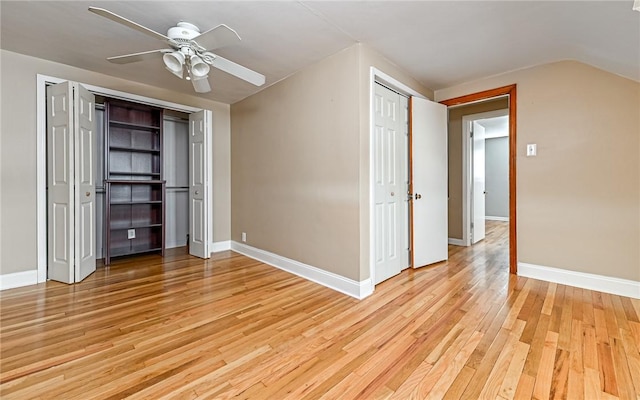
x=190, y=51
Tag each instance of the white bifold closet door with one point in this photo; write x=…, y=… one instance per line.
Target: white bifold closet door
x=71, y=163
x=391, y=182
x=200, y=184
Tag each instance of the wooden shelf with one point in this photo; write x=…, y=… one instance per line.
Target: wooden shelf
x=135, y=191
x=126, y=203
x=134, y=174
x=133, y=182
x=131, y=125
x=127, y=251
x=118, y=228
x=133, y=149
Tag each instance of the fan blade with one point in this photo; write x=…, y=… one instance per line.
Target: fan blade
x=135, y=57
x=133, y=25
x=217, y=37
x=201, y=85
x=238, y=70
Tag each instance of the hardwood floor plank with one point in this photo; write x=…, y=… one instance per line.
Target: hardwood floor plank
x=575, y=382
x=623, y=374
x=496, y=377
x=608, y=380
x=633, y=359
x=233, y=327
x=544, y=378
x=445, y=381
x=592, y=388
x=547, y=306
x=509, y=387
x=525, y=387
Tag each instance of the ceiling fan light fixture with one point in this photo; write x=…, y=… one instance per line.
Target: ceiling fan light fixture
x=199, y=68
x=174, y=62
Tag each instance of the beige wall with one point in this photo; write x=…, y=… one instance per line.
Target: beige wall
x=455, y=158
x=300, y=161
x=578, y=201
x=294, y=166
x=18, y=151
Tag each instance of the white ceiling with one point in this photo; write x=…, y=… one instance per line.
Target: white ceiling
x=440, y=43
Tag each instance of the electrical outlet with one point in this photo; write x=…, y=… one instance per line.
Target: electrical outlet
x=131, y=234
x=244, y=237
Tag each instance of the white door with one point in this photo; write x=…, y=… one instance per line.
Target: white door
x=70, y=177
x=200, y=184
x=391, y=183
x=478, y=188
x=429, y=182
x=85, y=161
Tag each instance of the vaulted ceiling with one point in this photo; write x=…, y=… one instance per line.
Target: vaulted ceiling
x=440, y=43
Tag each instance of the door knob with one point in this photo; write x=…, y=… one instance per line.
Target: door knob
x=87, y=194
x=393, y=194
x=197, y=192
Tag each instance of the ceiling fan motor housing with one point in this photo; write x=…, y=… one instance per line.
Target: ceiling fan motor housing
x=184, y=31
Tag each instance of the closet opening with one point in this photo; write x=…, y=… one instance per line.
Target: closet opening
x=172, y=148
x=142, y=217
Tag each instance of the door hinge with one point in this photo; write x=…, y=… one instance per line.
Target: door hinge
x=472, y=225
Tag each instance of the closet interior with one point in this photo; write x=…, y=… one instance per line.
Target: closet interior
x=142, y=191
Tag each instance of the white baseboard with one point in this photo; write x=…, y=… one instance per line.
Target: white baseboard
x=490, y=218
x=220, y=246
x=339, y=283
x=601, y=283
x=18, y=279
x=456, y=242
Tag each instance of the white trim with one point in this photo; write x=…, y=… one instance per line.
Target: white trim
x=220, y=246
x=375, y=75
x=456, y=242
x=339, y=283
x=41, y=156
x=601, y=283
x=492, y=218
x=18, y=279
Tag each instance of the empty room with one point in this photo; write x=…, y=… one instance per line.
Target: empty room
x=320, y=199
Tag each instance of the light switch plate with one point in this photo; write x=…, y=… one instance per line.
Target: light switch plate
x=532, y=150
x=131, y=234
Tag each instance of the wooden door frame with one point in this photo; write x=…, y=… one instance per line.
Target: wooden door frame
x=509, y=91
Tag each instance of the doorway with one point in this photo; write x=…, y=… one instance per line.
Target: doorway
x=175, y=167
x=485, y=169
x=510, y=93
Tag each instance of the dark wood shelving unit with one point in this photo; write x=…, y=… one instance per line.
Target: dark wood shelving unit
x=135, y=191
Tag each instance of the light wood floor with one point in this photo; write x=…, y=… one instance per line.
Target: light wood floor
x=232, y=327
